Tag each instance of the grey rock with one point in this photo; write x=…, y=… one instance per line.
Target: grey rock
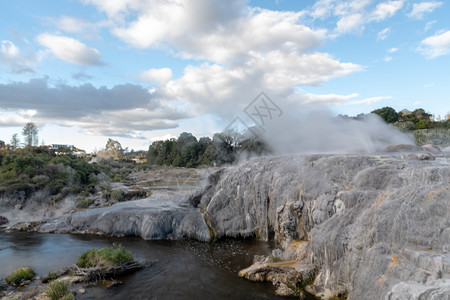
x=148, y=218
x=372, y=222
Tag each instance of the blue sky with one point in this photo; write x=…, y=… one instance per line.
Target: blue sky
x=138, y=71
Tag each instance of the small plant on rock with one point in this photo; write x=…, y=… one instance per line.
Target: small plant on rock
x=58, y=290
x=20, y=274
x=105, y=257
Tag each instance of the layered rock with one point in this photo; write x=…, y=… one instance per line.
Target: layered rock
x=370, y=226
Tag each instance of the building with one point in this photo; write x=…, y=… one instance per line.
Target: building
x=57, y=147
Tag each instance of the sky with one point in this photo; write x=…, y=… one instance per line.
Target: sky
x=138, y=71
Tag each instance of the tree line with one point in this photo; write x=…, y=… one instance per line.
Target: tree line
x=407, y=120
x=187, y=151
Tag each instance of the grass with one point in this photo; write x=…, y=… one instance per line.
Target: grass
x=84, y=203
x=274, y=258
x=105, y=257
x=20, y=274
x=59, y=290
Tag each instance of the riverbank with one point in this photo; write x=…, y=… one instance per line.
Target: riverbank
x=183, y=269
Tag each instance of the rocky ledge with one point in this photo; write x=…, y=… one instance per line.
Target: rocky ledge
x=363, y=226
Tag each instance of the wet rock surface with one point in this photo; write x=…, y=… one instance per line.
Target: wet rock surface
x=372, y=226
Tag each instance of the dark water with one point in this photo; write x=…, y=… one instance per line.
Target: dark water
x=184, y=269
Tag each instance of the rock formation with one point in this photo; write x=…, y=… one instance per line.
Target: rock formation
x=370, y=226
x=367, y=226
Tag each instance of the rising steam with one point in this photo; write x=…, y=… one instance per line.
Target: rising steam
x=320, y=132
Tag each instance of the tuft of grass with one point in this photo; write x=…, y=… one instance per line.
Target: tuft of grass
x=105, y=257
x=84, y=203
x=52, y=276
x=58, y=290
x=20, y=274
x=274, y=258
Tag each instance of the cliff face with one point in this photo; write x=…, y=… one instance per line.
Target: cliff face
x=371, y=226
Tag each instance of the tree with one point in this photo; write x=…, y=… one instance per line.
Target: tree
x=30, y=133
x=15, y=141
x=387, y=113
x=114, y=149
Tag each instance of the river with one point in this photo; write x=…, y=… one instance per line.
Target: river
x=184, y=269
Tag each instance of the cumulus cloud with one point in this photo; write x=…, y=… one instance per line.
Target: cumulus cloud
x=422, y=8
x=17, y=61
x=213, y=88
x=161, y=76
x=386, y=9
x=120, y=111
x=246, y=49
x=436, y=45
x=70, y=50
x=350, y=23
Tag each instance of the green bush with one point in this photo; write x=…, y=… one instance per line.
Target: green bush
x=118, y=177
x=83, y=203
x=58, y=290
x=117, y=195
x=105, y=257
x=20, y=274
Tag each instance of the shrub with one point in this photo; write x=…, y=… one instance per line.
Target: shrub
x=83, y=203
x=58, y=290
x=20, y=274
x=105, y=257
x=117, y=195
x=118, y=177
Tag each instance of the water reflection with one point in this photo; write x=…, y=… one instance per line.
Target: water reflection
x=184, y=269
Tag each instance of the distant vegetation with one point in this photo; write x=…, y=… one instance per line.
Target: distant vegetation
x=187, y=151
x=408, y=120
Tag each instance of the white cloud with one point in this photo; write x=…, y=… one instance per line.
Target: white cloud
x=429, y=25
x=436, y=45
x=387, y=58
x=393, y=50
x=352, y=15
x=370, y=100
x=325, y=99
x=161, y=76
x=18, y=62
x=386, y=9
x=70, y=50
x=382, y=35
x=9, y=51
x=80, y=27
x=213, y=88
x=350, y=23
x=428, y=85
x=422, y=8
